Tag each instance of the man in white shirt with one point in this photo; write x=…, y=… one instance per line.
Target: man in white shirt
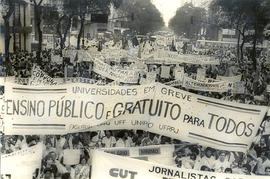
x=109, y=140
x=221, y=164
x=207, y=160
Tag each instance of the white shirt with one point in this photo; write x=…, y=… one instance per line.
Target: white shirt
x=108, y=142
x=221, y=166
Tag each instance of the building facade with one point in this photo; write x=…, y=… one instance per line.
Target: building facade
x=20, y=28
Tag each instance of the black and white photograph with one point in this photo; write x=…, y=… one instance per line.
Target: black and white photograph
x=140, y=89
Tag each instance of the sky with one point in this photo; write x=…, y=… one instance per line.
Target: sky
x=169, y=7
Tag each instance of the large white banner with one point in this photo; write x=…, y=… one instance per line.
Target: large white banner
x=156, y=108
x=121, y=75
x=212, y=86
x=174, y=58
x=108, y=166
x=190, y=83
x=25, y=81
x=24, y=161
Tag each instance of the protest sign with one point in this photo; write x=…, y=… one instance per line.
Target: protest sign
x=156, y=153
x=71, y=157
x=208, y=84
x=230, y=79
x=165, y=71
x=1, y=112
x=57, y=59
x=178, y=82
x=22, y=161
x=151, y=77
x=83, y=55
x=80, y=80
x=268, y=88
x=71, y=54
x=238, y=87
x=156, y=108
x=21, y=81
x=39, y=77
x=121, y=75
x=179, y=72
x=166, y=57
x=179, y=75
x=190, y=83
x=201, y=74
x=113, y=166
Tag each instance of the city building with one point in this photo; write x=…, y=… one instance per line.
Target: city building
x=20, y=28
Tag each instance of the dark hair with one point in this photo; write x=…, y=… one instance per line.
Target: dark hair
x=205, y=168
x=266, y=168
x=82, y=159
x=228, y=170
x=247, y=166
x=65, y=176
x=47, y=170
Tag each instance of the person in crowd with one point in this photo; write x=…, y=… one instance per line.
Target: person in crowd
x=82, y=170
x=109, y=140
x=222, y=163
x=246, y=169
x=150, y=139
x=262, y=162
x=48, y=163
x=267, y=171
x=228, y=170
x=206, y=160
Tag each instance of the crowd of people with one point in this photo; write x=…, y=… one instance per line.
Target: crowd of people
x=186, y=155
x=254, y=79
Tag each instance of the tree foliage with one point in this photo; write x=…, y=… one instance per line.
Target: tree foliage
x=83, y=7
x=188, y=20
x=8, y=8
x=146, y=17
x=244, y=15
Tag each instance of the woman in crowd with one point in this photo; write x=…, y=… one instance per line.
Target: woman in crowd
x=82, y=170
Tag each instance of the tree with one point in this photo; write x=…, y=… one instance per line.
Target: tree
x=84, y=7
x=50, y=16
x=38, y=14
x=188, y=21
x=8, y=10
x=244, y=15
x=64, y=21
x=145, y=17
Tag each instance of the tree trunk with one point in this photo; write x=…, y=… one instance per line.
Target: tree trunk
x=253, y=53
x=242, y=46
x=37, y=10
x=7, y=42
x=238, y=45
x=66, y=31
x=7, y=36
x=81, y=32
x=58, y=29
x=243, y=41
